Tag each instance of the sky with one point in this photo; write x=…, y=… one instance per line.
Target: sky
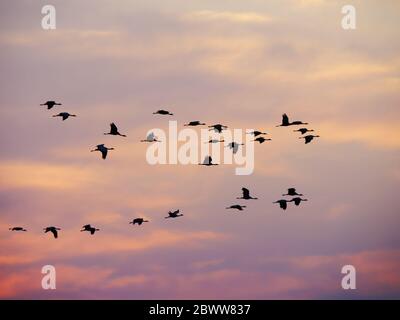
x=240, y=63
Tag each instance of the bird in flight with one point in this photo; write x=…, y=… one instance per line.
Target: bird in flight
x=283, y=203
x=234, y=146
x=88, y=227
x=303, y=130
x=236, y=206
x=114, y=131
x=218, y=127
x=214, y=141
x=261, y=139
x=173, y=214
x=17, y=229
x=309, y=138
x=256, y=133
x=194, y=123
x=53, y=230
x=163, y=112
x=139, y=221
x=64, y=115
x=297, y=200
x=103, y=149
x=286, y=123
x=150, y=138
x=292, y=192
x=246, y=195
x=50, y=104
x=208, y=162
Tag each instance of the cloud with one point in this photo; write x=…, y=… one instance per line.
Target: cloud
x=228, y=16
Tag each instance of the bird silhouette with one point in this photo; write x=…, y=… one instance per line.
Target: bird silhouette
x=114, y=131
x=246, y=195
x=139, y=221
x=163, y=112
x=50, y=104
x=150, y=138
x=297, y=200
x=103, y=149
x=53, y=230
x=88, y=227
x=214, y=141
x=217, y=127
x=303, y=130
x=17, y=229
x=309, y=138
x=194, y=123
x=261, y=139
x=236, y=206
x=283, y=203
x=256, y=133
x=234, y=146
x=173, y=214
x=64, y=115
x=286, y=123
x=208, y=162
x=292, y=192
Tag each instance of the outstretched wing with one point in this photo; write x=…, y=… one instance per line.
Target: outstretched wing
x=285, y=119
x=150, y=136
x=291, y=190
x=246, y=193
x=283, y=205
x=104, y=152
x=114, y=128
x=64, y=116
x=54, y=232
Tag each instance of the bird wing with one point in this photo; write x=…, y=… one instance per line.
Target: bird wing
x=114, y=128
x=104, y=152
x=283, y=205
x=246, y=192
x=235, y=148
x=285, y=119
x=176, y=211
x=291, y=190
x=150, y=136
x=64, y=115
x=54, y=232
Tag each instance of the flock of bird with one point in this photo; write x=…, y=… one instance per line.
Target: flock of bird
x=218, y=128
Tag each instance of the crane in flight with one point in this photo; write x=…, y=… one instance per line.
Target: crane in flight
x=103, y=149
x=297, y=200
x=163, y=112
x=217, y=127
x=194, y=124
x=114, y=131
x=292, y=192
x=207, y=162
x=234, y=146
x=303, y=130
x=286, y=122
x=89, y=228
x=236, y=206
x=17, y=229
x=246, y=195
x=214, y=141
x=283, y=203
x=309, y=138
x=261, y=139
x=257, y=133
x=53, y=230
x=150, y=138
x=139, y=221
x=50, y=104
x=64, y=115
x=173, y=214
